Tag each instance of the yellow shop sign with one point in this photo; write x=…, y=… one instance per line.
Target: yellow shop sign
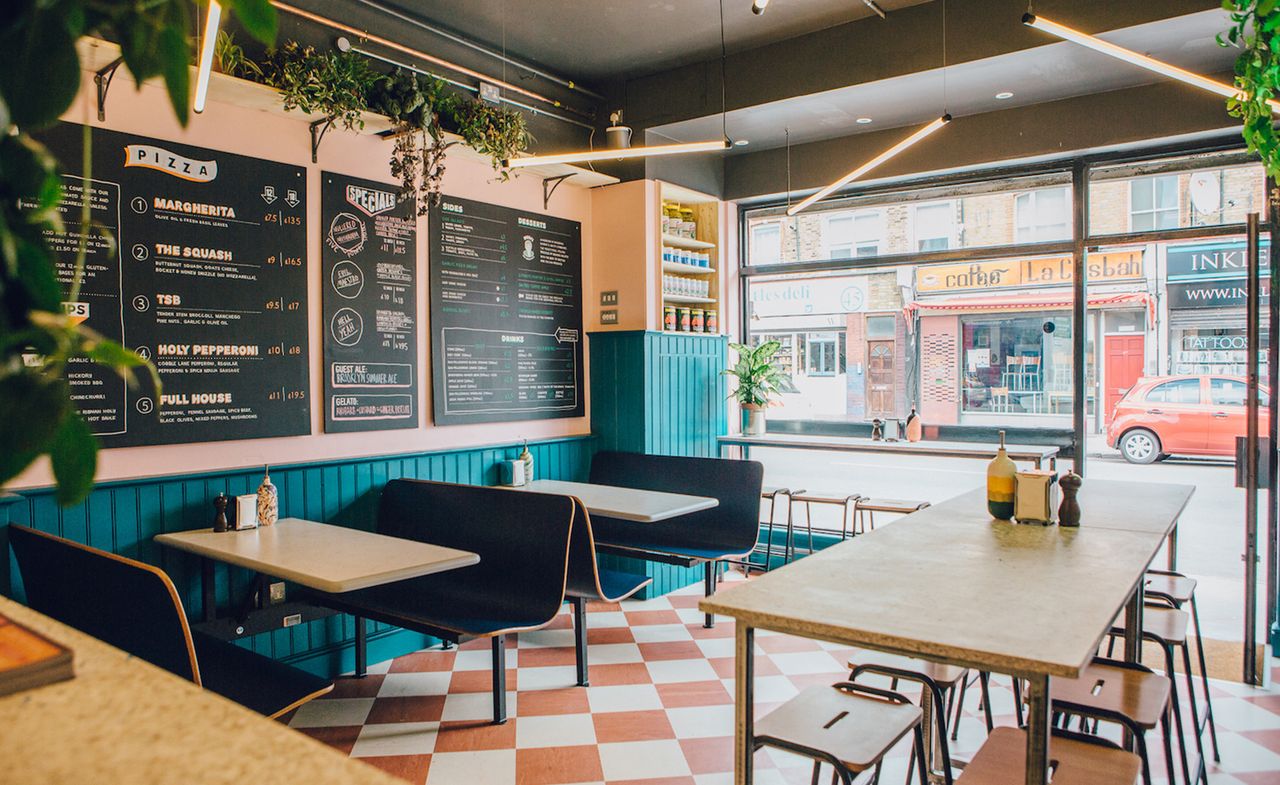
x=1021, y=273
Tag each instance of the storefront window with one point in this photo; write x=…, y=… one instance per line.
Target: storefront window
x=1018, y=364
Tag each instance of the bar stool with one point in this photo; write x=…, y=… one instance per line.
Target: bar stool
x=1127, y=694
x=948, y=680
x=1179, y=590
x=835, y=499
x=1167, y=628
x=772, y=494
x=1077, y=759
x=868, y=507
x=850, y=726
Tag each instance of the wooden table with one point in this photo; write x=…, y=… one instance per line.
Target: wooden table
x=628, y=504
x=950, y=584
x=939, y=449
x=123, y=721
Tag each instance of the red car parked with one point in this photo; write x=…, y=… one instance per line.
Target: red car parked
x=1184, y=415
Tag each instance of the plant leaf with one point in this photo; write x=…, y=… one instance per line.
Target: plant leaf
x=74, y=457
x=258, y=17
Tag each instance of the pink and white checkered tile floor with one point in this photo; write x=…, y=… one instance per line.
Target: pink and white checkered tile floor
x=659, y=708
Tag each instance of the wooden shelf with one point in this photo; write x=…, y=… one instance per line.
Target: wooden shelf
x=687, y=269
x=686, y=298
x=691, y=334
x=687, y=242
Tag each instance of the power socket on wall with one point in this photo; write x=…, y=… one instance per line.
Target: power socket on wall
x=276, y=592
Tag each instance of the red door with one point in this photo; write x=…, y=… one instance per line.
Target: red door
x=1124, y=358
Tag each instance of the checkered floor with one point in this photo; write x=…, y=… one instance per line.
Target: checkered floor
x=659, y=708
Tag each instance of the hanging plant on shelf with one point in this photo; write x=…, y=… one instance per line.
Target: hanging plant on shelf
x=231, y=60
x=1255, y=30
x=329, y=83
x=494, y=131
x=415, y=103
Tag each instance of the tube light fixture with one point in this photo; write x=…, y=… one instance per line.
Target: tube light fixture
x=872, y=164
x=612, y=155
x=1135, y=58
x=207, y=44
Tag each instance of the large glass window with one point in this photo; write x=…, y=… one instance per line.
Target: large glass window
x=1043, y=215
x=1210, y=189
x=766, y=243
x=849, y=234
x=1017, y=364
x=1153, y=203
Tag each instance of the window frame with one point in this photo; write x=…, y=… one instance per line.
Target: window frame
x=1155, y=211
x=1037, y=228
x=913, y=223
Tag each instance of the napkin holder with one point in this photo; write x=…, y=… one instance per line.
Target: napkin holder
x=1035, y=496
x=512, y=473
x=246, y=511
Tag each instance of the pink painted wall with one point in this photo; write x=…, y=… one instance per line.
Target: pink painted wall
x=265, y=135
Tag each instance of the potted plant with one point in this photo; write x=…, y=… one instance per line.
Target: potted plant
x=760, y=379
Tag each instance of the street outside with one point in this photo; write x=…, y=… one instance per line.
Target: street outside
x=1210, y=533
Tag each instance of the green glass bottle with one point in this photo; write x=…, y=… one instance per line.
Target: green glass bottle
x=1000, y=479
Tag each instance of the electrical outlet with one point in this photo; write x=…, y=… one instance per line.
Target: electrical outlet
x=609, y=298
x=277, y=592
x=293, y=620
x=609, y=317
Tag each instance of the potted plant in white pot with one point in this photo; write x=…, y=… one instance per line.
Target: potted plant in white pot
x=760, y=379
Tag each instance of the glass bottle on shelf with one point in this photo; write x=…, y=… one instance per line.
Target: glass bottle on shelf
x=1000, y=482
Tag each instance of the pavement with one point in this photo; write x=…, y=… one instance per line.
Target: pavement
x=1211, y=532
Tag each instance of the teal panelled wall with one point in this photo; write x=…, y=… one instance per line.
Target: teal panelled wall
x=658, y=393
x=123, y=517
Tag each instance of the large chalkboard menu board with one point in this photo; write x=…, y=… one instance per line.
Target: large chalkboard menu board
x=369, y=237
x=196, y=260
x=506, y=314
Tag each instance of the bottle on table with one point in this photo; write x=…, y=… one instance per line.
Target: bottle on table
x=1000, y=484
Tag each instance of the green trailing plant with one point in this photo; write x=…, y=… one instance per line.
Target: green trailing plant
x=760, y=377
x=494, y=131
x=1255, y=30
x=40, y=76
x=328, y=83
x=231, y=59
x=415, y=103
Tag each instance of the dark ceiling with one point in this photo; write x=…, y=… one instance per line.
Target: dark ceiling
x=597, y=41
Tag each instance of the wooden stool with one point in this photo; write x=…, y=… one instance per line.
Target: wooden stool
x=845, y=501
x=1167, y=627
x=1124, y=693
x=947, y=680
x=772, y=494
x=1076, y=760
x=1179, y=590
x=851, y=726
x=869, y=507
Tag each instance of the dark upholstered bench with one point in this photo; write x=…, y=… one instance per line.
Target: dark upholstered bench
x=727, y=531
x=135, y=607
x=523, y=540
x=589, y=581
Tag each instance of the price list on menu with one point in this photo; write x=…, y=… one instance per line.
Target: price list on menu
x=506, y=314
x=195, y=260
x=370, y=338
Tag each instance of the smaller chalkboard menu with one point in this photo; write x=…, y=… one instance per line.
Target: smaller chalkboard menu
x=506, y=314
x=370, y=339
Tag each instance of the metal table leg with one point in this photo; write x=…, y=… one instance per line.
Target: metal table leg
x=1037, y=730
x=1133, y=626
x=1171, y=549
x=744, y=703
x=208, y=599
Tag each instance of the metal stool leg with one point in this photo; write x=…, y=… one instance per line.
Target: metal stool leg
x=1176, y=707
x=1166, y=733
x=1204, y=678
x=984, y=683
x=1195, y=711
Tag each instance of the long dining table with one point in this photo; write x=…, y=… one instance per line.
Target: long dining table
x=953, y=585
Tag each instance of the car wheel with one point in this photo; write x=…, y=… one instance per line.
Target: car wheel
x=1140, y=446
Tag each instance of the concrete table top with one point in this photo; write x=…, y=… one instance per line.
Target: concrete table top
x=628, y=504
x=123, y=721
x=327, y=558
x=944, y=449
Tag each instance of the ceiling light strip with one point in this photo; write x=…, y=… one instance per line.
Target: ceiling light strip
x=1134, y=58
x=211, y=21
x=614, y=155
x=872, y=164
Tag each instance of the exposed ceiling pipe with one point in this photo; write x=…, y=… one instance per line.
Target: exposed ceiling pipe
x=346, y=45
x=458, y=39
x=367, y=36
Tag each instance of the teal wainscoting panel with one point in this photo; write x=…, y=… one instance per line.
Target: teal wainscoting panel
x=659, y=393
x=123, y=517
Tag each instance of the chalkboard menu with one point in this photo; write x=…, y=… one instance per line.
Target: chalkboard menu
x=369, y=237
x=506, y=314
x=196, y=260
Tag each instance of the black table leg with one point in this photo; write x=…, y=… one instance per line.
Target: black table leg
x=580, y=638
x=362, y=643
x=499, y=679
x=208, y=601
x=709, y=588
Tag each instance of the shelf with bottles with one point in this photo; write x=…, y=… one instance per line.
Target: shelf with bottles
x=685, y=261
x=680, y=286
x=689, y=243
x=689, y=319
x=686, y=269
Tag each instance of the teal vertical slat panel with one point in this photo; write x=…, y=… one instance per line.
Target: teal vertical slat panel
x=74, y=522
x=124, y=521
x=331, y=491
x=99, y=523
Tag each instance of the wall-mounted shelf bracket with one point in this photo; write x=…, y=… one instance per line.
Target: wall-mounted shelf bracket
x=318, y=129
x=102, y=78
x=549, y=186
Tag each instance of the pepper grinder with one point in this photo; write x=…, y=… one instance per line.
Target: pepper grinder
x=220, y=518
x=1069, y=510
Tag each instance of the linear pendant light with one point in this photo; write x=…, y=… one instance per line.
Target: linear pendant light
x=872, y=164
x=1134, y=58
x=206, y=53
x=611, y=155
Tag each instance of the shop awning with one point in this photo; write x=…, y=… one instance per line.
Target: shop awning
x=1029, y=301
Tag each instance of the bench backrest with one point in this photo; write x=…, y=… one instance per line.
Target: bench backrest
x=585, y=578
x=522, y=538
x=731, y=527
x=130, y=605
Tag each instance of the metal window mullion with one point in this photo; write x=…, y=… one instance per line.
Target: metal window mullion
x=1079, y=312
